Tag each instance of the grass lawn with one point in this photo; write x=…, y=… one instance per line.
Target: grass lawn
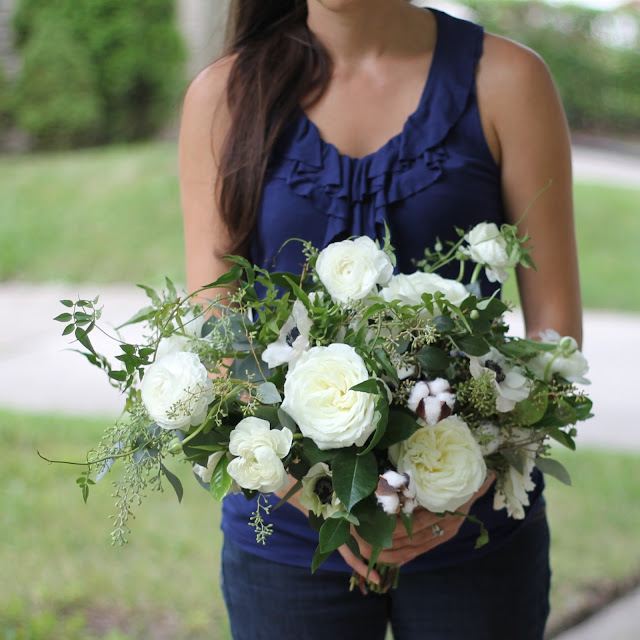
x=64, y=580
x=113, y=215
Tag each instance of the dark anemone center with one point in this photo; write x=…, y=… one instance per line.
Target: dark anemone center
x=292, y=335
x=324, y=489
x=494, y=366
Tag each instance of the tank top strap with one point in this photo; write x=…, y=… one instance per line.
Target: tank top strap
x=450, y=86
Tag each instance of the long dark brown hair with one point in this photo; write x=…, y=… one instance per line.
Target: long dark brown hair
x=279, y=67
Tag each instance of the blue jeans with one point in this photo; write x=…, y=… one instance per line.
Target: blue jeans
x=501, y=596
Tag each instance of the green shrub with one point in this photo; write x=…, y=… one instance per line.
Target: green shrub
x=5, y=105
x=134, y=53
x=56, y=99
x=598, y=83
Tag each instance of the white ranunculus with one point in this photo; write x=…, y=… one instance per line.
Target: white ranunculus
x=566, y=360
x=509, y=380
x=317, y=492
x=445, y=463
x=317, y=396
x=351, y=269
x=408, y=288
x=176, y=391
x=488, y=248
x=293, y=339
x=512, y=488
x=259, y=450
x=205, y=473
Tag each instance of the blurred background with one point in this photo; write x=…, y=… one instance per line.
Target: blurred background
x=90, y=94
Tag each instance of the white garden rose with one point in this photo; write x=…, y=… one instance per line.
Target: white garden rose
x=488, y=248
x=408, y=288
x=445, y=463
x=172, y=344
x=176, y=391
x=259, y=450
x=317, y=396
x=317, y=491
x=351, y=269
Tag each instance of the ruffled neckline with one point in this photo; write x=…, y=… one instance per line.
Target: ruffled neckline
x=410, y=162
x=447, y=86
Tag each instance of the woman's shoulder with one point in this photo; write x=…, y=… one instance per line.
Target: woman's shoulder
x=510, y=66
x=208, y=88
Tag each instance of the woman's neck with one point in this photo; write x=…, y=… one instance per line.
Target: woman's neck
x=356, y=31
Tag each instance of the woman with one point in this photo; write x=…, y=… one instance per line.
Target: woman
x=330, y=118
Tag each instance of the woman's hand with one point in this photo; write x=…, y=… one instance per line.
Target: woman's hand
x=429, y=531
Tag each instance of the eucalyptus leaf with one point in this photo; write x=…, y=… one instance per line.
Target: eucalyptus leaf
x=554, y=468
x=268, y=393
x=286, y=420
x=563, y=438
x=246, y=369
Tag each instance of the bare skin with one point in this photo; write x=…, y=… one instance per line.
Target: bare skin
x=382, y=52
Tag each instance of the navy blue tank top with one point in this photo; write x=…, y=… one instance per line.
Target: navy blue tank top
x=436, y=174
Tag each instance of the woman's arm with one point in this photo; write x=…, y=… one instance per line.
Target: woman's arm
x=528, y=134
x=204, y=126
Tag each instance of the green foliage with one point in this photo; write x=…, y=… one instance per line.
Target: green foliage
x=598, y=82
x=125, y=66
x=56, y=97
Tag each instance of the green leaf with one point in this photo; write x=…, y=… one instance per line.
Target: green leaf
x=383, y=360
x=472, y=345
x=63, y=317
x=554, y=468
x=318, y=559
x=407, y=521
x=376, y=527
x=532, y=409
x=221, y=481
x=268, y=393
x=298, y=291
x=83, y=339
x=368, y=386
x=67, y=303
x=246, y=369
x=141, y=316
x=433, y=359
x=563, y=438
x=400, y=426
x=294, y=489
x=68, y=329
x=173, y=481
x=286, y=420
x=444, y=324
x=354, y=476
x=313, y=454
x=120, y=376
x=333, y=534
x=228, y=278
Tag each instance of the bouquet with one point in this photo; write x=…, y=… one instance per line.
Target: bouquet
x=368, y=393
